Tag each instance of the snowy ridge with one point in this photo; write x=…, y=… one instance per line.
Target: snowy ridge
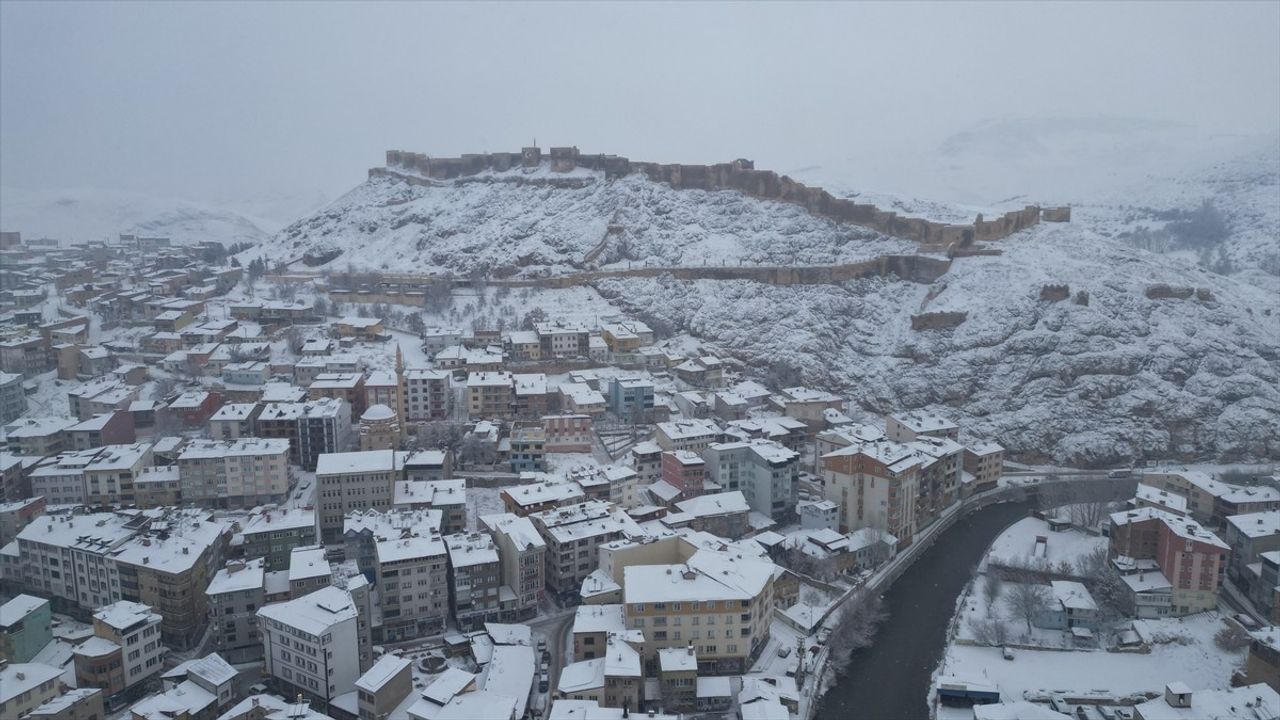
x=509, y=228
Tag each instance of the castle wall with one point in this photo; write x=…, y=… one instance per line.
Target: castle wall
x=740, y=175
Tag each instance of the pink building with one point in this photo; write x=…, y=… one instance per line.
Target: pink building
x=684, y=470
x=568, y=433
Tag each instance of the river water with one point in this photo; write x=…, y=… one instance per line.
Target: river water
x=890, y=679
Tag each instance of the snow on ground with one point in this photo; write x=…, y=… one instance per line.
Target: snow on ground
x=527, y=228
x=1017, y=545
x=483, y=501
x=1196, y=660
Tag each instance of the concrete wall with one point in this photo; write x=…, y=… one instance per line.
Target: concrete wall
x=739, y=175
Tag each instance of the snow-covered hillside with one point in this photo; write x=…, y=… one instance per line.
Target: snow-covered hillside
x=516, y=224
x=1123, y=376
x=76, y=216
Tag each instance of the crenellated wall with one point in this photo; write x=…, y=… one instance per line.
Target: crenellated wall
x=740, y=175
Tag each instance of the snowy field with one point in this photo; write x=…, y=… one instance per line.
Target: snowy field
x=1193, y=659
x=1017, y=545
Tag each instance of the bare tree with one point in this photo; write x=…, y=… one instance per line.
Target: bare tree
x=1028, y=601
x=991, y=586
x=1232, y=638
x=860, y=616
x=991, y=631
x=797, y=561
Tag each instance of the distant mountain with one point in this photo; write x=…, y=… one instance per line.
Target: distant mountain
x=89, y=214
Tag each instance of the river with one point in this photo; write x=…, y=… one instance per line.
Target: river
x=890, y=679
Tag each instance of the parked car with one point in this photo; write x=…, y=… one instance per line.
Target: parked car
x=544, y=682
x=1246, y=621
x=1007, y=653
x=1121, y=473
x=784, y=651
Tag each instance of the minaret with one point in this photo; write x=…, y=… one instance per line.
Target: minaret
x=400, y=392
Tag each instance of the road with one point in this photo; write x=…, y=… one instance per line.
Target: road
x=556, y=628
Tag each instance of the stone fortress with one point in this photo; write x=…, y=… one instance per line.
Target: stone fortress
x=739, y=175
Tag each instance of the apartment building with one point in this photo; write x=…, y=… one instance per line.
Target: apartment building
x=941, y=469
x=764, y=471
x=631, y=398
x=530, y=396
x=984, y=460
x=77, y=704
x=234, y=421
x=582, y=399
x=528, y=448
x=26, y=686
x=362, y=530
x=309, y=644
x=573, y=535
x=475, y=581
x=875, y=484
x=125, y=650
x=273, y=534
x=907, y=426
x=353, y=481
x=684, y=470
x=428, y=394
x=235, y=473
x=312, y=428
x=447, y=496
x=413, y=578
x=1191, y=559
x=568, y=433
x=158, y=486
x=1249, y=536
x=347, y=386
x=718, y=603
x=522, y=562
x=722, y=514
x=113, y=428
x=61, y=482
x=25, y=628
x=109, y=475
x=489, y=395
x=429, y=465
x=1212, y=501
x=235, y=593
x=626, y=336
x=13, y=399
x=692, y=435
x=562, y=339
x=38, y=437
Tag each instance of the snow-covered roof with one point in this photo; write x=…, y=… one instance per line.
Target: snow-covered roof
x=18, y=678
x=705, y=576
x=308, y=562
x=313, y=613
x=1072, y=595
x=238, y=576
x=581, y=676
x=410, y=548
x=725, y=503
x=509, y=633
x=382, y=672
x=520, y=529
x=1254, y=525
x=1251, y=702
x=369, y=461
x=599, y=619
x=241, y=447
x=448, y=684
x=468, y=549
x=17, y=609
x=124, y=615
x=509, y=672
x=1183, y=527
x=677, y=660
x=377, y=413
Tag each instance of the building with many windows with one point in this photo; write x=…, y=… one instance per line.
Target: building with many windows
x=234, y=473
x=412, y=574
x=521, y=558
x=475, y=581
x=353, y=481
x=308, y=644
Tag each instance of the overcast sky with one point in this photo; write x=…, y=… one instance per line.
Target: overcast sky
x=225, y=100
